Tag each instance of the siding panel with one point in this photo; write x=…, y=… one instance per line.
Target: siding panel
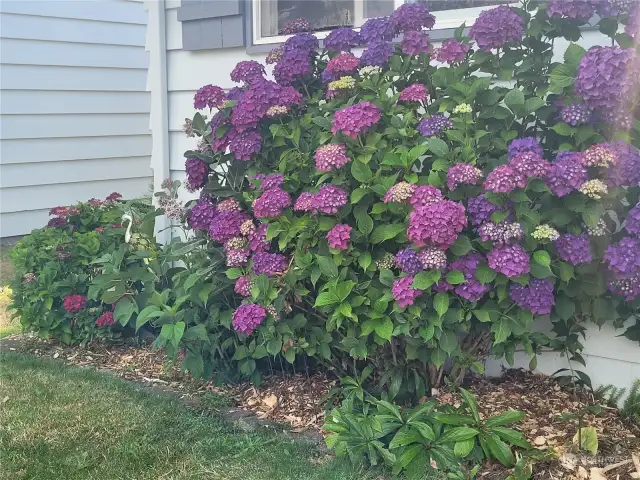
x=102, y=11
x=42, y=102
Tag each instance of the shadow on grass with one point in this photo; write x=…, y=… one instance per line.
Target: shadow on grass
x=73, y=423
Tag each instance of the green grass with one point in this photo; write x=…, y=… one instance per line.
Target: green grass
x=60, y=422
x=11, y=329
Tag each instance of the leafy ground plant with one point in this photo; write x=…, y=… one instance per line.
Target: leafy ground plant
x=75, y=424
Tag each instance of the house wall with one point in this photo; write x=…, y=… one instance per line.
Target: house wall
x=610, y=359
x=74, y=110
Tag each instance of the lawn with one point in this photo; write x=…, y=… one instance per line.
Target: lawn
x=71, y=423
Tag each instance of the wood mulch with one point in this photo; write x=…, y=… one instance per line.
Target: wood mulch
x=294, y=400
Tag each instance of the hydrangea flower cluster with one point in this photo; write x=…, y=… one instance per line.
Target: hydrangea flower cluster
x=452, y=51
x=105, y=320
x=269, y=263
x=480, y=210
x=331, y=157
x=463, y=108
x=298, y=25
x=329, y=199
x=271, y=203
x=408, y=261
x=403, y=293
x=576, y=114
x=355, y=119
x=525, y=144
x=424, y=195
x=501, y=233
x=462, y=173
x=433, y=258
x=345, y=63
x=545, y=232
x=436, y=224
x=229, y=205
x=258, y=239
x=342, y=40
x=226, y=225
x=235, y=243
x=246, y=318
x=530, y=165
x=599, y=230
x=399, y=193
x=566, y=174
x=598, y=155
x=537, y=297
x=197, y=174
x=238, y=257
x=209, y=96
x=594, y=188
x=414, y=43
x=415, y=92
x=74, y=303
x=504, y=179
x=243, y=285
x=626, y=170
x=376, y=54
x=510, y=260
x=434, y=125
x=623, y=257
x=633, y=221
x=576, y=9
x=412, y=16
x=295, y=61
x=271, y=180
x=338, y=237
x=340, y=85
x=493, y=28
x=377, y=29
x=387, y=262
x=574, y=249
x=471, y=289
x=248, y=71
x=245, y=144
x=201, y=214
x=304, y=202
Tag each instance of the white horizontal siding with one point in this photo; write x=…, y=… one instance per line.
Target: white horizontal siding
x=178, y=144
x=74, y=113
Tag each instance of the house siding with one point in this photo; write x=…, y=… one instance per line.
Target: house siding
x=74, y=110
x=610, y=359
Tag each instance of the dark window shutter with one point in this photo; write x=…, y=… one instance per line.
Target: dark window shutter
x=210, y=24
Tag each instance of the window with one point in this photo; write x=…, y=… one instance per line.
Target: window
x=270, y=17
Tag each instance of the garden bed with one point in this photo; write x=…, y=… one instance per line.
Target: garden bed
x=293, y=400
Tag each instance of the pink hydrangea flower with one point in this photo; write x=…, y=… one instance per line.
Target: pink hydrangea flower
x=399, y=193
x=504, y=179
x=74, y=303
x=403, y=293
x=510, y=260
x=462, y=173
x=243, y=285
x=437, y=224
x=355, y=119
x=338, y=237
x=271, y=203
x=246, y=318
x=331, y=157
x=414, y=93
x=105, y=320
x=329, y=199
x=424, y=195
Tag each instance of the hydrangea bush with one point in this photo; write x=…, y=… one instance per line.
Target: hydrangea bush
x=415, y=208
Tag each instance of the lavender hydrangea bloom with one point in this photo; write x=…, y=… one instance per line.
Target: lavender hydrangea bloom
x=510, y=260
x=626, y=171
x=566, y=174
x=530, y=165
x=436, y=224
x=237, y=257
x=197, y=174
x=256, y=101
x=243, y=285
x=525, y=144
x=493, y=28
x=415, y=92
x=245, y=144
x=462, y=173
x=424, y=195
x=471, y=289
x=607, y=76
x=269, y=263
x=338, y=237
x=271, y=203
x=331, y=157
x=574, y=249
x=246, y=318
x=632, y=28
x=408, y=261
x=247, y=71
x=629, y=287
x=414, y=43
x=537, y=297
x=201, y=215
x=226, y=225
x=576, y=114
x=501, y=233
x=377, y=29
x=293, y=65
x=342, y=40
x=433, y=258
x=412, y=16
x=434, y=125
x=258, y=239
x=576, y=9
x=377, y=53
x=480, y=210
x=269, y=181
x=633, y=221
x=210, y=96
x=355, y=119
x=403, y=293
x=329, y=199
x=504, y=179
x=304, y=202
x=301, y=41
x=623, y=257
x=399, y=193
x=452, y=51
x=298, y=25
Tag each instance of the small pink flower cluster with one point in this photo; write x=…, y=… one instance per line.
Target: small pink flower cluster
x=105, y=320
x=338, y=237
x=355, y=119
x=331, y=157
x=74, y=303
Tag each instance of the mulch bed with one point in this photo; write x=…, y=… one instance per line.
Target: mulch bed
x=294, y=401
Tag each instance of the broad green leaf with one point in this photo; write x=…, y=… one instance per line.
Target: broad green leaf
x=327, y=266
x=563, y=129
x=437, y=146
x=511, y=436
x=361, y=171
x=146, y=314
x=455, y=277
x=588, y=438
x=364, y=260
x=386, y=232
x=384, y=328
x=471, y=402
x=501, y=331
x=458, y=434
x=485, y=274
x=565, y=307
x=233, y=273
x=506, y=418
x=125, y=308
x=363, y=220
x=441, y=303
x=462, y=449
x=541, y=257
x=424, y=280
x=461, y=246
x=326, y=298
x=573, y=54
x=499, y=450
x=514, y=98
x=358, y=194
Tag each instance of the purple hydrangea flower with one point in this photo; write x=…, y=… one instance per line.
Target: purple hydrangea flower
x=355, y=119
x=537, y=297
x=415, y=92
x=269, y=181
x=245, y=144
x=298, y=25
x=414, y=43
x=501, y=233
x=576, y=114
x=633, y=221
x=304, y=202
x=377, y=29
x=436, y=224
x=329, y=199
x=623, y=257
x=256, y=101
x=302, y=41
x=234, y=93
x=403, y=293
x=269, y=263
x=246, y=318
x=493, y=28
x=504, y=179
x=530, y=165
x=399, y=193
x=462, y=173
x=293, y=65
x=480, y=210
x=229, y=205
x=237, y=257
x=626, y=171
x=525, y=144
x=226, y=225
x=408, y=261
x=452, y=51
x=607, y=76
x=629, y=287
x=342, y=40
x=247, y=71
x=574, y=249
x=434, y=125
x=576, y=9
x=331, y=157
x=632, y=28
x=471, y=289
x=377, y=53
x=271, y=203
x=433, y=258
x=243, y=285
x=425, y=195
x=342, y=64
x=412, y=16
x=510, y=260
x=210, y=96
x=201, y=215
x=566, y=174
x=338, y=237
x=258, y=239
x=620, y=118
x=197, y=174
x=598, y=155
